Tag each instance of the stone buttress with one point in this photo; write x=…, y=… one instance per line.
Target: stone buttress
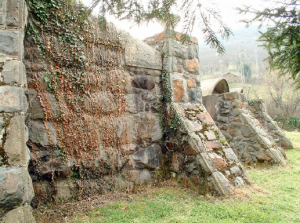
x=259, y=111
x=200, y=156
x=246, y=131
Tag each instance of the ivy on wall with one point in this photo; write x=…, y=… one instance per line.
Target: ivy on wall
x=84, y=74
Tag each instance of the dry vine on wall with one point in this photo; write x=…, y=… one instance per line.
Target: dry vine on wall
x=82, y=92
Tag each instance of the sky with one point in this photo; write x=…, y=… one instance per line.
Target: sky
x=226, y=7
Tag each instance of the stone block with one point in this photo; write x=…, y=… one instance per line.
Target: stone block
x=148, y=128
x=210, y=135
x=176, y=49
x=205, y=118
x=2, y=11
x=213, y=145
x=157, y=131
x=194, y=145
x=192, y=126
x=11, y=43
x=219, y=162
x=206, y=162
x=14, y=73
x=221, y=183
x=15, y=187
x=247, y=131
x=63, y=190
x=134, y=103
x=38, y=133
x=139, y=54
x=192, y=65
x=195, y=95
x=235, y=170
x=144, y=82
x=138, y=176
x=170, y=64
x=15, y=144
x=21, y=214
x=193, y=53
x=230, y=155
x=147, y=157
x=239, y=182
x=35, y=109
x=12, y=99
x=179, y=90
x=191, y=83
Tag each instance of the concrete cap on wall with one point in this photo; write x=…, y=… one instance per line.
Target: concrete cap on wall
x=214, y=86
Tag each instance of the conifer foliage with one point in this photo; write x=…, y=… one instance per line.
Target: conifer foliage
x=282, y=38
x=169, y=12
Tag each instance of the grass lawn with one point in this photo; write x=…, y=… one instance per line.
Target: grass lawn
x=273, y=197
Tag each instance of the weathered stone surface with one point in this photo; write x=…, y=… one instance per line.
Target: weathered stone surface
x=193, y=126
x=14, y=73
x=21, y=214
x=193, y=52
x=211, y=104
x=206, y=162
x=15, y=145
x=139, y=54
x=230, y=155
x=194, y=145
x=177, y=162
x=235, y=170
x=239, y=182
x=147, y=157
x=213, y=145
x=178, y=90
x=11, y=43
x=176, y=49
x=157, y=131
x=170, y=64
x=134, y=103
x=2, y=12
x=16, y=13
x=222, y=184
x=192, y=65
x=231, y=96
x=35, y=109
x=145, y=176
x=138, y=176
x=144, y=82
x=148, y=128
x=12, y=99
x=247, y=131
x=191, y=83
x=195, y=95
x=205, y=118
x=15, y=187
x=38, y=133
x=210, y=135
x=63, y=190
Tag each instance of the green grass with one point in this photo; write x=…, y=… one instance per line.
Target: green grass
x=274, y=197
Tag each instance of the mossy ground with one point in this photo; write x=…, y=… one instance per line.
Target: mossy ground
x=273, y=197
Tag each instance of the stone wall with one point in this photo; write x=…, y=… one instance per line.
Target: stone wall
x=250, y=139
x=199, y=156
x=117, y=123
x=16, y=191
x=258, y=109
x=104, y=111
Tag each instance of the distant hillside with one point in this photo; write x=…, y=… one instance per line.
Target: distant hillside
x=240, y=48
